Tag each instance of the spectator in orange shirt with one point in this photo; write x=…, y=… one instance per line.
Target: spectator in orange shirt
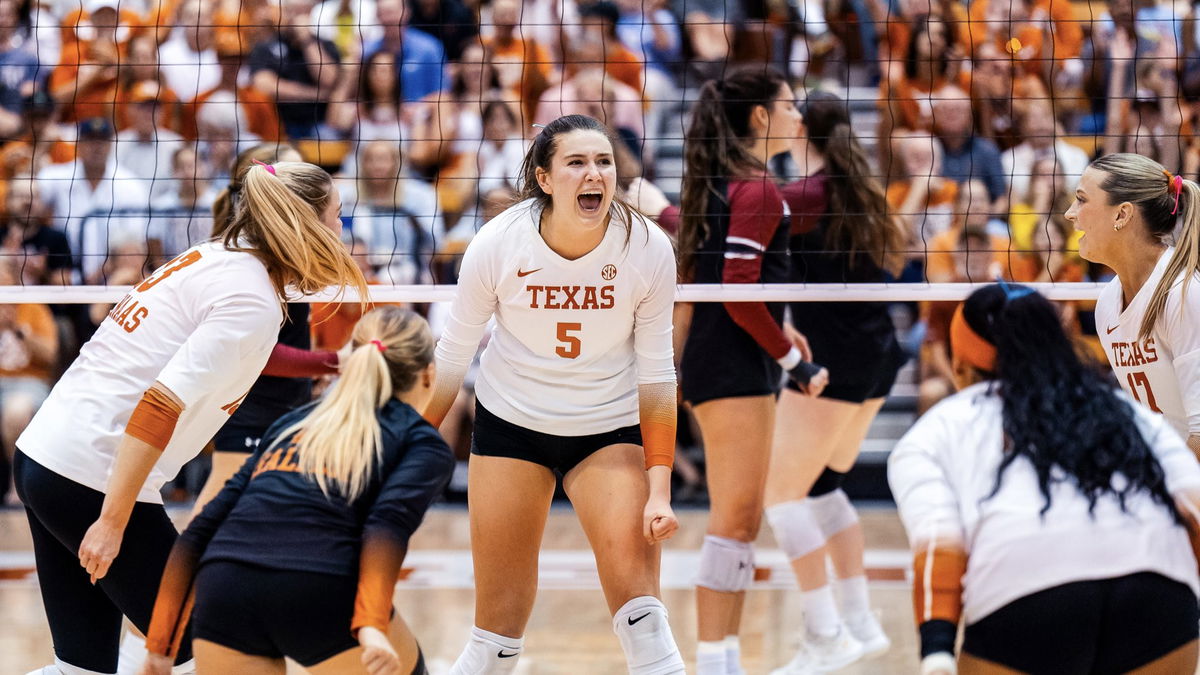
x=257, y=116
x=932, y=66
x=599, y=24
x=922, y=198
x=94, y=42
x=971, y=213
x=1047, y=33
x=28, y=359
x=509, y=48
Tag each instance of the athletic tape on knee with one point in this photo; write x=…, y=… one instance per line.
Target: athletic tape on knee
x=796, y=528
x=726, y=565
x=642, y=628
x=827, y=482
x=833, y=512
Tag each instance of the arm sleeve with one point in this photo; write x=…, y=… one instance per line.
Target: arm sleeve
x=286, y=361
x=407, y=493
x=756, y=211
x=173, y=605
x=929, y=509
x=238, y=332
x=654, y=348
x=473, y=306
x=808, y=202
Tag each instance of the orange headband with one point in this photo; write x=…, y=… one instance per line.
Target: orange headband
x=969, y=346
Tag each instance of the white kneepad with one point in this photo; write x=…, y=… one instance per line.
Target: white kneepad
x=796, y=528
x=833, y=512
x=726, y=565
x=645, y=635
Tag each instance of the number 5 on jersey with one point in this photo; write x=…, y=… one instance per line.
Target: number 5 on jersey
x=569, y=349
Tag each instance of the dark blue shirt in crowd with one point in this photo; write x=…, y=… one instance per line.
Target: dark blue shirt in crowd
x=977, y=159
x=18, y=76
x=289, y=62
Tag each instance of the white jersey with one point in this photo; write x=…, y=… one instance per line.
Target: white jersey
x=1163, y=371
x=944, y=469
x=573, y=338
x=203, y=325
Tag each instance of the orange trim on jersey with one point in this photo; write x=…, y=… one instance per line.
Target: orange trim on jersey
x=657, y=415
x=969, y=346
x=378, y=571
x=938, y=569
x=153, y=420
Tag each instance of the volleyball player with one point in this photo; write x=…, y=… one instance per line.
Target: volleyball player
x=733, y=230
x=167, y=367
x=275, y=556
x=286, y=380
x=1148, y=318
x=581, y=287
x=1045, y=510
x=840, y=233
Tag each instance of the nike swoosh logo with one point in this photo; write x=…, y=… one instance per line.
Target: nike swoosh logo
x=522, y=273
x=633, y=620
x=502, y=655
x=1108, y=331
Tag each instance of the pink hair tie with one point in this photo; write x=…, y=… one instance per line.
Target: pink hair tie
x=1177, y=183
x=379, y=345
x=266, y=166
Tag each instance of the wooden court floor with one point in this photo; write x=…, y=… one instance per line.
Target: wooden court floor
x=570, y=631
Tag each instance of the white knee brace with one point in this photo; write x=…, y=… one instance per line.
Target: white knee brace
x=796, y=528
x=726, y=565
x=650, y=649
x=833, y=512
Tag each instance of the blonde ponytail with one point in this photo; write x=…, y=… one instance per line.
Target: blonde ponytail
x=1185, y=261
x=1150, y=188
x=339, y=443
x=278, y=220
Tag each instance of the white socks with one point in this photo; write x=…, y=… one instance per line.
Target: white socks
x=820, y=612
x=645, y=636
x=853, y=596
x=488, y=654
x=711, y=658
x=733, y=656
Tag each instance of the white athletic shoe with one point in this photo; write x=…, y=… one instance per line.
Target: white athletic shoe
x=867, y=630
x=823, y=654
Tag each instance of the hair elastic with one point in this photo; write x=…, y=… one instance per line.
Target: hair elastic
x=1012, y=293
x=1177, y=183
x=538, y=126
x=266, y=166
x=379, y=345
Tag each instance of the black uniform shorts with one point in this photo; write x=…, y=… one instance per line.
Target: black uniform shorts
x=494, y=437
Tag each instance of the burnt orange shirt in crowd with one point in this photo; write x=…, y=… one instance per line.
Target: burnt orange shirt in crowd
x=262, y=118
x=910, y=102
x=37, y=324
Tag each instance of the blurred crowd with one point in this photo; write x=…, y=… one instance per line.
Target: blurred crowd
x=119, y=123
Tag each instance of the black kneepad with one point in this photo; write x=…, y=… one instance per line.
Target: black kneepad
x=827, y=482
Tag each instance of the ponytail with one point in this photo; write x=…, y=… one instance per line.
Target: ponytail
x=716, y=146
x=1184, y=262
x=278, y=222
x=226, y=202
x=859, y=222
x=340, y=442
x=1153, y=191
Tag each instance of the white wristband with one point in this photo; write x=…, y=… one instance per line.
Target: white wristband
x=939, y=662
x=791, y=359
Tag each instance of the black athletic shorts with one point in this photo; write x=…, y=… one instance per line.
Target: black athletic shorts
x=494, y=437
x=274, y=613
x=1088, y=627
x=85, y=620
x=860, y=375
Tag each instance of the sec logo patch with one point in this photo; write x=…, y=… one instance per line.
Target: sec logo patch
x=609, y=272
